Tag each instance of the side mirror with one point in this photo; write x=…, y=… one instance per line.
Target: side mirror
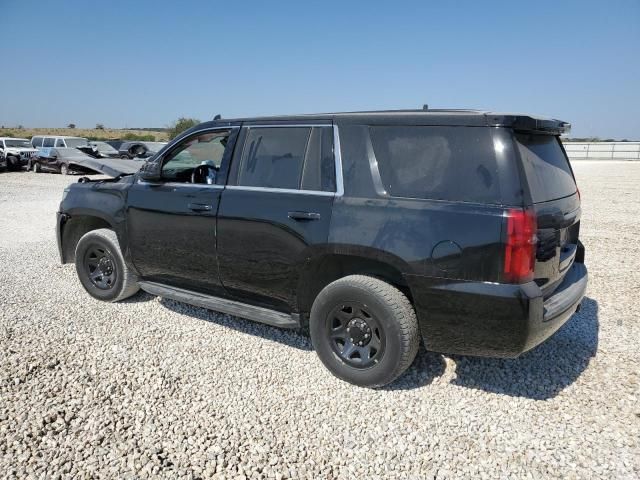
x=150, y=171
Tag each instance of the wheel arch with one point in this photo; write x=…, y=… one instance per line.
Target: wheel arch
x=75, y=227
x=328, y=267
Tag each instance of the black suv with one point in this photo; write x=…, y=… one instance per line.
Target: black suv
x=370, y=229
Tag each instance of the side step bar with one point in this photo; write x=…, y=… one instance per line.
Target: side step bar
x=224, y=305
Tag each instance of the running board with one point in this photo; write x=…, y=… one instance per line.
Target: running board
x=224, y=305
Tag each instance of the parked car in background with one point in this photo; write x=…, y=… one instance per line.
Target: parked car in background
x=374, y=230
x=140, y=149
x=15, y=152
x=99, y=149
x=115, y=143
x=71, y=160
x=58, y=141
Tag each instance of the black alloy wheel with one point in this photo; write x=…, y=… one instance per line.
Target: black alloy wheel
x=101, y=267
x=356, y=335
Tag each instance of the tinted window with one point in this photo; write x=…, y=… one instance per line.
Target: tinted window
x=319, y=171
x=48, y=142
x=273, y=157
x=36, y=141
x=443, y=163
x=546, y=167
x=59, y=143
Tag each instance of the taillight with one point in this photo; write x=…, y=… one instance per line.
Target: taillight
x=520, y=248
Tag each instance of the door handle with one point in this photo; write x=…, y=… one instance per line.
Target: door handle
x=200, y=207
x=304, y=216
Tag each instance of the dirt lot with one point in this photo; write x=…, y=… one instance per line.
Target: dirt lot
x=152, y=387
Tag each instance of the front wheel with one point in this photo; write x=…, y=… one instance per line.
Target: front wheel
x=364, y=330
x=64, y=169
x=101, y=267
x=35, y=167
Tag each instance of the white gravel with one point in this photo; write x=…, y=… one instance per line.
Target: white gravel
x=155, y=388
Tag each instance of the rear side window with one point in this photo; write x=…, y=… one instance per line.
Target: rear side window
x=60, y=143
x=319, y=170
x=48, y=142
x=440, y=163
x=546, y=167
x=274, y=157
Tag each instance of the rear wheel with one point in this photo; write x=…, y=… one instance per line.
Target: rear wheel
x=101, y=267
x=64, y=169
x=364, y=330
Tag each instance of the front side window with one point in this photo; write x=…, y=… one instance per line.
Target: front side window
x=60, y=143
x=196, y=159
x=273, y=157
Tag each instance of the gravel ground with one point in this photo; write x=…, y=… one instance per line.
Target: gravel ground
x=156, y=388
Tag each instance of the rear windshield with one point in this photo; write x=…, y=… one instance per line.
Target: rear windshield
x=546, y=167
x=441, y=163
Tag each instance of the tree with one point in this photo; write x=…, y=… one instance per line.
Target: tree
x=99, y=126
x=71, y=125
x=180, y=126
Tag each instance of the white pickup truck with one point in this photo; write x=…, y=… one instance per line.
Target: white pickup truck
x=15, y=152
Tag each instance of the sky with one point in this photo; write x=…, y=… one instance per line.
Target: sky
x=146, y=63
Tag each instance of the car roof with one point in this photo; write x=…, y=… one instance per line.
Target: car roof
x=13, y=138
x=58, y=136
x=444, y=117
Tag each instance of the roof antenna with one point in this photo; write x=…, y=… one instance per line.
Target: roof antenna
x=425, y=107
x=217, y=117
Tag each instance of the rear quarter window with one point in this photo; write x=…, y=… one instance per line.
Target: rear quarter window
x=440, y=163
x=546, y=167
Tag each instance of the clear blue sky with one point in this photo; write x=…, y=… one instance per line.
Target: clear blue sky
x=141, y=63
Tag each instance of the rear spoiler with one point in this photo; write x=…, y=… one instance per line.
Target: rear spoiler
x=525, y=123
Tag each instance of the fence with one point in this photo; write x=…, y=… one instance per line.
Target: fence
x=603, y=150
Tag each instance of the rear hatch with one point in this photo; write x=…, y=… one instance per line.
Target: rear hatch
x=555, y=202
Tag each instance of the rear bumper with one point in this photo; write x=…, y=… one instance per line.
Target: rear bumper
x=494, y=320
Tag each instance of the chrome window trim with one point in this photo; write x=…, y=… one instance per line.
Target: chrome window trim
x=337, y=158
x=281, y=190
x=180, y=184
x=289, y=125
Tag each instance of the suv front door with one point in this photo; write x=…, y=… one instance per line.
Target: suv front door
x=171, y=223
x=275, y=210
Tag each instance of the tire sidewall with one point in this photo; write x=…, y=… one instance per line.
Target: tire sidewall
x=377, y=375
x=84, y=244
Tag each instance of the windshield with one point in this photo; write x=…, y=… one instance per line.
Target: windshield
x=546, y=167
x=75, y=142
x=17, y=143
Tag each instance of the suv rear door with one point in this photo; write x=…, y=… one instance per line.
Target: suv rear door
x=556, y=202
x=275, y=210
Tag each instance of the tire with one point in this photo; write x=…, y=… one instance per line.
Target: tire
x=376, y=324
x=12, y=163
x=35, y=167
x=101, y=267
x=64, y=169
x=125, y=157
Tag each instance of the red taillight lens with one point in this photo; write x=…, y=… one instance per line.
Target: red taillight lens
x=520, y=248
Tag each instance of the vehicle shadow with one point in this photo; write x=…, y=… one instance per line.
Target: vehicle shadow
x=291, y=338
x=543, y=372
